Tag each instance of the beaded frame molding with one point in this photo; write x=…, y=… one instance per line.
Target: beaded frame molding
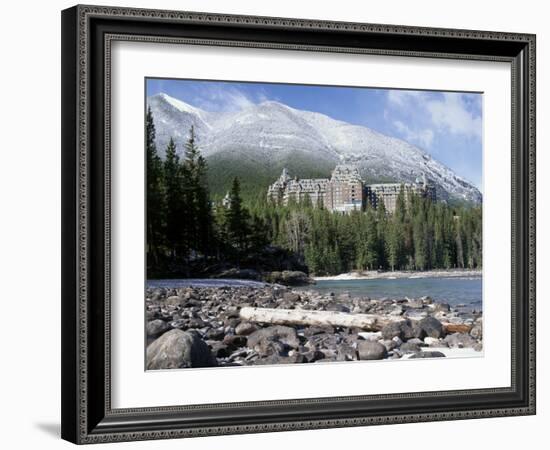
x=87, y=35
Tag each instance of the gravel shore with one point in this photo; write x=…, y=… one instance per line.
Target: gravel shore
x=202, y=327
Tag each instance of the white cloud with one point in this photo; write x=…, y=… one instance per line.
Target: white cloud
x=403, y=97
x=421, y=116
x=451, y=113
x=424, y=136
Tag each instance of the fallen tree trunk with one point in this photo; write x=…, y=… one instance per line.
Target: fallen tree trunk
x=368, y=322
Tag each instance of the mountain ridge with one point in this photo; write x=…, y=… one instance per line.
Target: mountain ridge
x=270, y=135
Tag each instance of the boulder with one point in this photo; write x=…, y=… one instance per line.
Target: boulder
x=414, y=303
x=219, y=349
x=417, y=341
x=216, y=334
x=368, y=350
x=404, y=329
x=179, y=349
x=389, y=344
x=156, y=327
x=242, y=274
x=441, y=307
x=289, y=278
x=432, y=327
x=460, y=340
x=291, y=297
x=234, y=340
x=432, y=342
x=346, y=353
x=285, y=335
x=477, y=331
x=409, y=347
x=245, y=328
x=314, y=355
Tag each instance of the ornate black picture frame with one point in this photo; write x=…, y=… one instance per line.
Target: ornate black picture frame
x=87, y=34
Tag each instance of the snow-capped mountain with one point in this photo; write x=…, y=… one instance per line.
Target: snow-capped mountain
x=263, y=138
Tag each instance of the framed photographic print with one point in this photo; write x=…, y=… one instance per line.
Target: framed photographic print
x=267, y=222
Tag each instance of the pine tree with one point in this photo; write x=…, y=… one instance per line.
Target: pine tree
x=155, y=195
x=381, y=231
x=236, y=220
x=421, y=255
x=199, y=209
x=175, y=207
x=394, y=245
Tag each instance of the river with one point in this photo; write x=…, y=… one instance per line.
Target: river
x=454, y=291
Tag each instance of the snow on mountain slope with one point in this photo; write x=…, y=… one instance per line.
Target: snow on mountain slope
x=271, y=135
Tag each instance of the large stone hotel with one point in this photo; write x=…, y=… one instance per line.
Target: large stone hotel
x=344, y=191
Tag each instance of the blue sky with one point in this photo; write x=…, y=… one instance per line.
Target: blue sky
x=448, y=125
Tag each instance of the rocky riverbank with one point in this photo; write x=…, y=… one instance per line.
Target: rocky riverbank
x=204, y=327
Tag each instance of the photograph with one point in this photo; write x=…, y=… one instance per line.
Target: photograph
x=293, y=223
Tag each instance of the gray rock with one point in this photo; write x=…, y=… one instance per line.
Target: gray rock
x=245, y=328
x=393, y=329
x=441, y=307
x=389, y=344
x=416, y=304
x=368, y=350
x=404, y=329
x=234, y=340
x=314, y=355
x=314, y=330
x=216, y=334
x=409, y=347
x=415, y=314
x=219, y=349
x=291, y=297
x=432, y=327
x=289, y=278
x=156, y=327
x=431, y=354
x=427, y=300
x=173, y=300
x=477, y=331
x=416, y=341
x=285, y=335
x=460, y=340
x=247, y=274
x=346, y=353
x=178, y=349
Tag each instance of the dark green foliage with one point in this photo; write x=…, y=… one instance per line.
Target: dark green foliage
x=156, y=209
x=421, y=235
x=176, y=230
x=198, y=210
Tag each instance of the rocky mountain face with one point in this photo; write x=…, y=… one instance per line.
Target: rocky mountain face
x=255, y=143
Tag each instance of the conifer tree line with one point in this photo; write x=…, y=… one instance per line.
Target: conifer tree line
x=184, y=225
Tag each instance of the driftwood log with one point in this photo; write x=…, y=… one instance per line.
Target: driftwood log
x=456, y=327
x=367, y=322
